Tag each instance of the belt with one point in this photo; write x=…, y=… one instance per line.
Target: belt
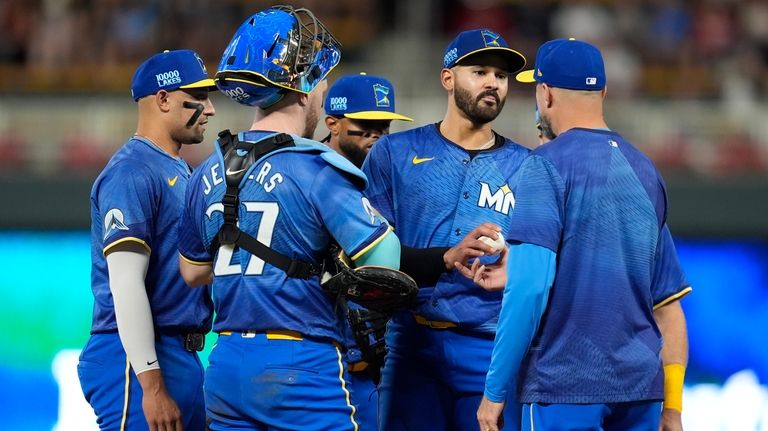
x=434, y=324
x=358, y=366
x=271, y=334
x=193, y=341
x=280, y=334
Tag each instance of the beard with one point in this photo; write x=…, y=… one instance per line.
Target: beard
x=354, y=153
x=474, y=108
x=311, y=122
x=546, y=129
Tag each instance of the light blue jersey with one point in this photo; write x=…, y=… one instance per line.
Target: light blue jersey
x=139, y=197
x=296, y=201
x=434, y=193
x=590, y=197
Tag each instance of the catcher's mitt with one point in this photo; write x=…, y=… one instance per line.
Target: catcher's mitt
x=373, y=287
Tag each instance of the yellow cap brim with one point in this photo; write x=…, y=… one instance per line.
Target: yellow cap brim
x=377, y=115
x=525, y=76
x=203, y=83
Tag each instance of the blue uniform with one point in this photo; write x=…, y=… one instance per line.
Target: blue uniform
x=434, y=192
x=279, y=336
x=597, y=204
x=139, y=198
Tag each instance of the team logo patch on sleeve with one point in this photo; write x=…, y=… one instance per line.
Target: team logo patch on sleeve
x=113, y=221
x=373, y=215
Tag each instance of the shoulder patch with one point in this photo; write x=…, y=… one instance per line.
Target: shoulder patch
x=113, y=221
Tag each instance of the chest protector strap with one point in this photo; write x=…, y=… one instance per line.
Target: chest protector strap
x=238, y=159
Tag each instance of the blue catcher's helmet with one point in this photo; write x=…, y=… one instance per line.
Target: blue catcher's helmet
x=276, y=50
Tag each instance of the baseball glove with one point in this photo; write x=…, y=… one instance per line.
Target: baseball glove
x=374, y=287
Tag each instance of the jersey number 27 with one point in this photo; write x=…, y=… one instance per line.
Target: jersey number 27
x=255, y=266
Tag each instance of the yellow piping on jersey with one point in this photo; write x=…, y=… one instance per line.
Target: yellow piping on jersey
x=192, y=262
x=676, y=296
x=371, y=245
x=126, y=239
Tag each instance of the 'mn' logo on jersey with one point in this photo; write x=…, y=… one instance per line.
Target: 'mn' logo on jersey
x=501, y=200
x=113, y=221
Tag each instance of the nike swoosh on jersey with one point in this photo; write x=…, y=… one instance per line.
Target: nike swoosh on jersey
x=234, y=172
x=150, y=363
x=172, y=181
x=416, y=160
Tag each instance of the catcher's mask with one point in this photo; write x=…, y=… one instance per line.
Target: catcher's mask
x=274, y=51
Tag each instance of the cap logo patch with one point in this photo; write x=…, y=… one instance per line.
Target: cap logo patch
x=450, y=56
x=591, y=81
x=338, y=103
x=202, y=65
x=381, y=93
x=490, y=38
x=168, y=78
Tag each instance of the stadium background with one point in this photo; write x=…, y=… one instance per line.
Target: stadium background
x=687, y=84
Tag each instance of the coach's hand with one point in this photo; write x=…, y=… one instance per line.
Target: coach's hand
x=489, y=415
x=491, y=277
x=471, y=246
x=160, y=409
x=671, y=420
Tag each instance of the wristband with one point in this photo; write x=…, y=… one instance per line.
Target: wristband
x=674, y=374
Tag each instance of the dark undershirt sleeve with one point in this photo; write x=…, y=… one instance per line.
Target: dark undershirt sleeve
x=425, y=265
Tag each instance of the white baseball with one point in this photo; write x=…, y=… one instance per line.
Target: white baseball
x=497, y=244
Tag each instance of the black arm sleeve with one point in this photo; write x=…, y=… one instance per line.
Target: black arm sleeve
x=423, y=264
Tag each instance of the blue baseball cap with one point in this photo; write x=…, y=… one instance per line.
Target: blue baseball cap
x=481, y=40
x=170, y=70
x=567, y=63
x=362, y=97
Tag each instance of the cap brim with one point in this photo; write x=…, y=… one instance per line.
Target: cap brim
x=377, y=115
x=515, y=60
x=525, y=76
x=203, y=83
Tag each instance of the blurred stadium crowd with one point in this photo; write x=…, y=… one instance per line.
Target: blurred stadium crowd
x=705, y=60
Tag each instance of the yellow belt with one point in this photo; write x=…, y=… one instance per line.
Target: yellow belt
x=272, y=334
x=357, y=366
x=435, y=324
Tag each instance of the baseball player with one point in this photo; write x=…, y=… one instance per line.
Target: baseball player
x=442, y=187
x=140, y=368
x=278, y=361
x=359, y=110
x=584, y=323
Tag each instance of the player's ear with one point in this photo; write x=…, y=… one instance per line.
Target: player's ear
x=447, y=79
x=333, y=124
x=303, y=98
x=162, y=100
x=547, y=95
